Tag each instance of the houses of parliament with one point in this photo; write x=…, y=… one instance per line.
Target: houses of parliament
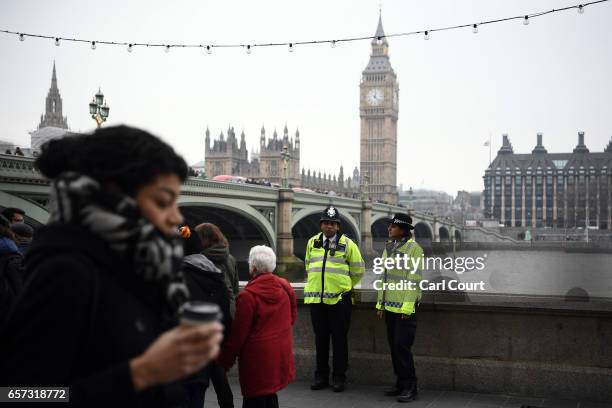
x=378, y=112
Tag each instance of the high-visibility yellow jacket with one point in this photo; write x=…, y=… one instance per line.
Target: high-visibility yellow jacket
x=401, y=300
x=331, y=272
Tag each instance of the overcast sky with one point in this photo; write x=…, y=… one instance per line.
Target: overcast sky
x=552, y=76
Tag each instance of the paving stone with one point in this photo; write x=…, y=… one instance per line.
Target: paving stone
x=299, y=395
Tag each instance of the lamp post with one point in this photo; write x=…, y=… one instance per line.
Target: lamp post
x=98, y=108
x=285, y=156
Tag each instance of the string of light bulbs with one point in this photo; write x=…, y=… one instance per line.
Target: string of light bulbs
x=526, y=18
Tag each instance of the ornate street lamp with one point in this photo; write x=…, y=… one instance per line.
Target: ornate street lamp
x=285, y=156
x=98, y=108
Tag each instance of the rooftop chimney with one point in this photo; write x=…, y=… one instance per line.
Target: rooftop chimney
x=506, y=146
x=539, y=148
x=581, y=147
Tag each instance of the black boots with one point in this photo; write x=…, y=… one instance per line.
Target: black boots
x=339, y=385
x=409, y=394
x=405, y=392
x=393, y=391
x=319, y=384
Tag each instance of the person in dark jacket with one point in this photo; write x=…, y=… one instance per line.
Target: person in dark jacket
x=11, y=274
x=23, y=236
x=261, y=336
x=98, y=311
x=216, y=248
x=206, y=283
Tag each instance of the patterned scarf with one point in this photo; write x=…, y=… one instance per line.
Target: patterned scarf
x=155, y=257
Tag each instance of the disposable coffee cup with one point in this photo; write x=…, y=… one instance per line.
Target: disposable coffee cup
x=194, y=313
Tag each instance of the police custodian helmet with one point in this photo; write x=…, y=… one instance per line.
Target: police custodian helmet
x=330, y=214
x=403, y=221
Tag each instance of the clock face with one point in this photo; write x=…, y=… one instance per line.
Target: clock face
x=375, y=96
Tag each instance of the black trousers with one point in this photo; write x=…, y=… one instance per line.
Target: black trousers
x=267, y=401
x=218, y=378
x=400, y=334
x=331, y=321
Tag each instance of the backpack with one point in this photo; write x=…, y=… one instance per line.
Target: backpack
x=207, y=286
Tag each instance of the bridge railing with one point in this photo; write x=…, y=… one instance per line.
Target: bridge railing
x=19, y=169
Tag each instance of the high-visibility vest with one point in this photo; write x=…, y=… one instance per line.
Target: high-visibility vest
x=402, y=300
x=331, y=271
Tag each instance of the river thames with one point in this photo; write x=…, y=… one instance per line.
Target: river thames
x=538, y=273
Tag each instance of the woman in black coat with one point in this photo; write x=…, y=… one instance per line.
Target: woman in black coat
x=98, y=312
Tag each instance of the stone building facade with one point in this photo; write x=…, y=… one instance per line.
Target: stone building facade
x=227, y=155
x=541, y=189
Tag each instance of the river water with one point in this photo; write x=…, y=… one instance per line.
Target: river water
x=534, y=272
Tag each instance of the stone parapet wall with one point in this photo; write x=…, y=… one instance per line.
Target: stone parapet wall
x=536, y=346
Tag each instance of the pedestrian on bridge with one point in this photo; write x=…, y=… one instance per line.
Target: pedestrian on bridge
x=334, y=266
x=399, y=306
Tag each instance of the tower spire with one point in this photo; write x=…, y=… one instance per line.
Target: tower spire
x=380, y=32
x=53, y=106
x=54, y=78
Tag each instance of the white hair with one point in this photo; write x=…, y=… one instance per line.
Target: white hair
x=262, y=258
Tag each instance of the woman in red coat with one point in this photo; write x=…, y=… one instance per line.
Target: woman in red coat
x=261, y=335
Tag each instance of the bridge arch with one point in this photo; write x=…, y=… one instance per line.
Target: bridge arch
x=458, y=236
x=34, y=212
x=443, y=234
x=305, y=224
x=423, y=230
x=380, y=233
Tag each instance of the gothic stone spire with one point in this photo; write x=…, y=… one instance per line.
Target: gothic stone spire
x=53, y=106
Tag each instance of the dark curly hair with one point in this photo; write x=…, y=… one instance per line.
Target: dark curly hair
x=125, y=156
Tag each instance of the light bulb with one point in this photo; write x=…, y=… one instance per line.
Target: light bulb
x=130, y=48
x=333, y=44
x=21, y=37
x=248, y=49
x=208, y=49
x=167, y=48
x=290, y=47
x=526, y=20
x=57, y=42
x=475, y=28
x=93, y=45
x=580, y=9
x=427, y=35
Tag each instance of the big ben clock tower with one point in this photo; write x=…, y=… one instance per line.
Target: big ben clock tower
x=378, y=110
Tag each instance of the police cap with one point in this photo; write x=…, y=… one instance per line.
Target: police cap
x=330, y=214
x=403, y=221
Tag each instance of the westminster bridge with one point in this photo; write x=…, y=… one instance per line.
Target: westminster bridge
x=247, y=214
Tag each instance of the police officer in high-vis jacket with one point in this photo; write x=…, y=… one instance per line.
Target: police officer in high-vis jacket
x=334, y=266
x=399, y=306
